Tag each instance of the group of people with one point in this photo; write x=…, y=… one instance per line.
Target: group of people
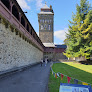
x=46, y=60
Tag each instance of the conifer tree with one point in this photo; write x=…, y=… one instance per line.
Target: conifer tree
x=79, y=37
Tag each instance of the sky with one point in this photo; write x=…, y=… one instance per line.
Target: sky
x=62, y=13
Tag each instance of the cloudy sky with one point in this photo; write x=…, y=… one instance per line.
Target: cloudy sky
x=62, y=13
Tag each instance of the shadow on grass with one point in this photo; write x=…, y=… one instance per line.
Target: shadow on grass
x=69, y=71
x=88, y=62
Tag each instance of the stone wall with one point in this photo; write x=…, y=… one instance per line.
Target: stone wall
x=54, y=56
x=81, y=58
x=46, y=37
x=16, y=52
x=60, y=56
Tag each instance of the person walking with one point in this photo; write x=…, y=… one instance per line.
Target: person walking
x=45, y=61
x=41, y=62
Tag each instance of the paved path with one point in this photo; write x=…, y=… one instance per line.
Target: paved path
x=34, y=79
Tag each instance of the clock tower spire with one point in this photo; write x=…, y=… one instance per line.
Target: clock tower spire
x=46, y=19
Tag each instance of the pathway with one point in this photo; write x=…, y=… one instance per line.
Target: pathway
x=34, y=79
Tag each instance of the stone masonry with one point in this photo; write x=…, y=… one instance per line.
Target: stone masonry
x=46, y=24
x=16, y=52
x=46, y=36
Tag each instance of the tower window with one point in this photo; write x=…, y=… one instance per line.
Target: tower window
x=50, y=21
x=40, y=21
x=49, y=27
x=41, y=27
x=45, y=26
x=47, y=21
x=43, y=21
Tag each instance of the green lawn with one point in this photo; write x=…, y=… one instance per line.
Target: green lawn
x=71, y=69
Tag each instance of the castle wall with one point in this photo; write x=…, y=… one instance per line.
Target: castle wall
x=54, y=54
x=16, y=52
x=60, y=56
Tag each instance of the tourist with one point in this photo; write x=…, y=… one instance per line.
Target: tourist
x=45, y=61
x=41, y=62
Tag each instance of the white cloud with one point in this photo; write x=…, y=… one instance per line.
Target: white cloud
x=23, y=4
x=61, y=34
x=39, y=4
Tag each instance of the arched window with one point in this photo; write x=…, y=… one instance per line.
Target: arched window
x=27, y=27
x=45, y=27
x=49, y=27
x=22, y=21
x=41, y=27
x=6, y=3
x=15, y=12
x=50, y=21
x=40, y=21
x=43, y=20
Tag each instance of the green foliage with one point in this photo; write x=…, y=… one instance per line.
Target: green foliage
x=79, y=37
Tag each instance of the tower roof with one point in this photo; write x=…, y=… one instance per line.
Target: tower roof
x=49, y=44
x=46, y=10
x=45, y=6
x=42, y=12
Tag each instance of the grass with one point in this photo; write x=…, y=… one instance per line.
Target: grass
x=71, y=69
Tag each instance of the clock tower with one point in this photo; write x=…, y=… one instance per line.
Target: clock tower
x=46, y=20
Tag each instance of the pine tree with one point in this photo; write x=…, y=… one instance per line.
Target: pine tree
x=79, y=37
